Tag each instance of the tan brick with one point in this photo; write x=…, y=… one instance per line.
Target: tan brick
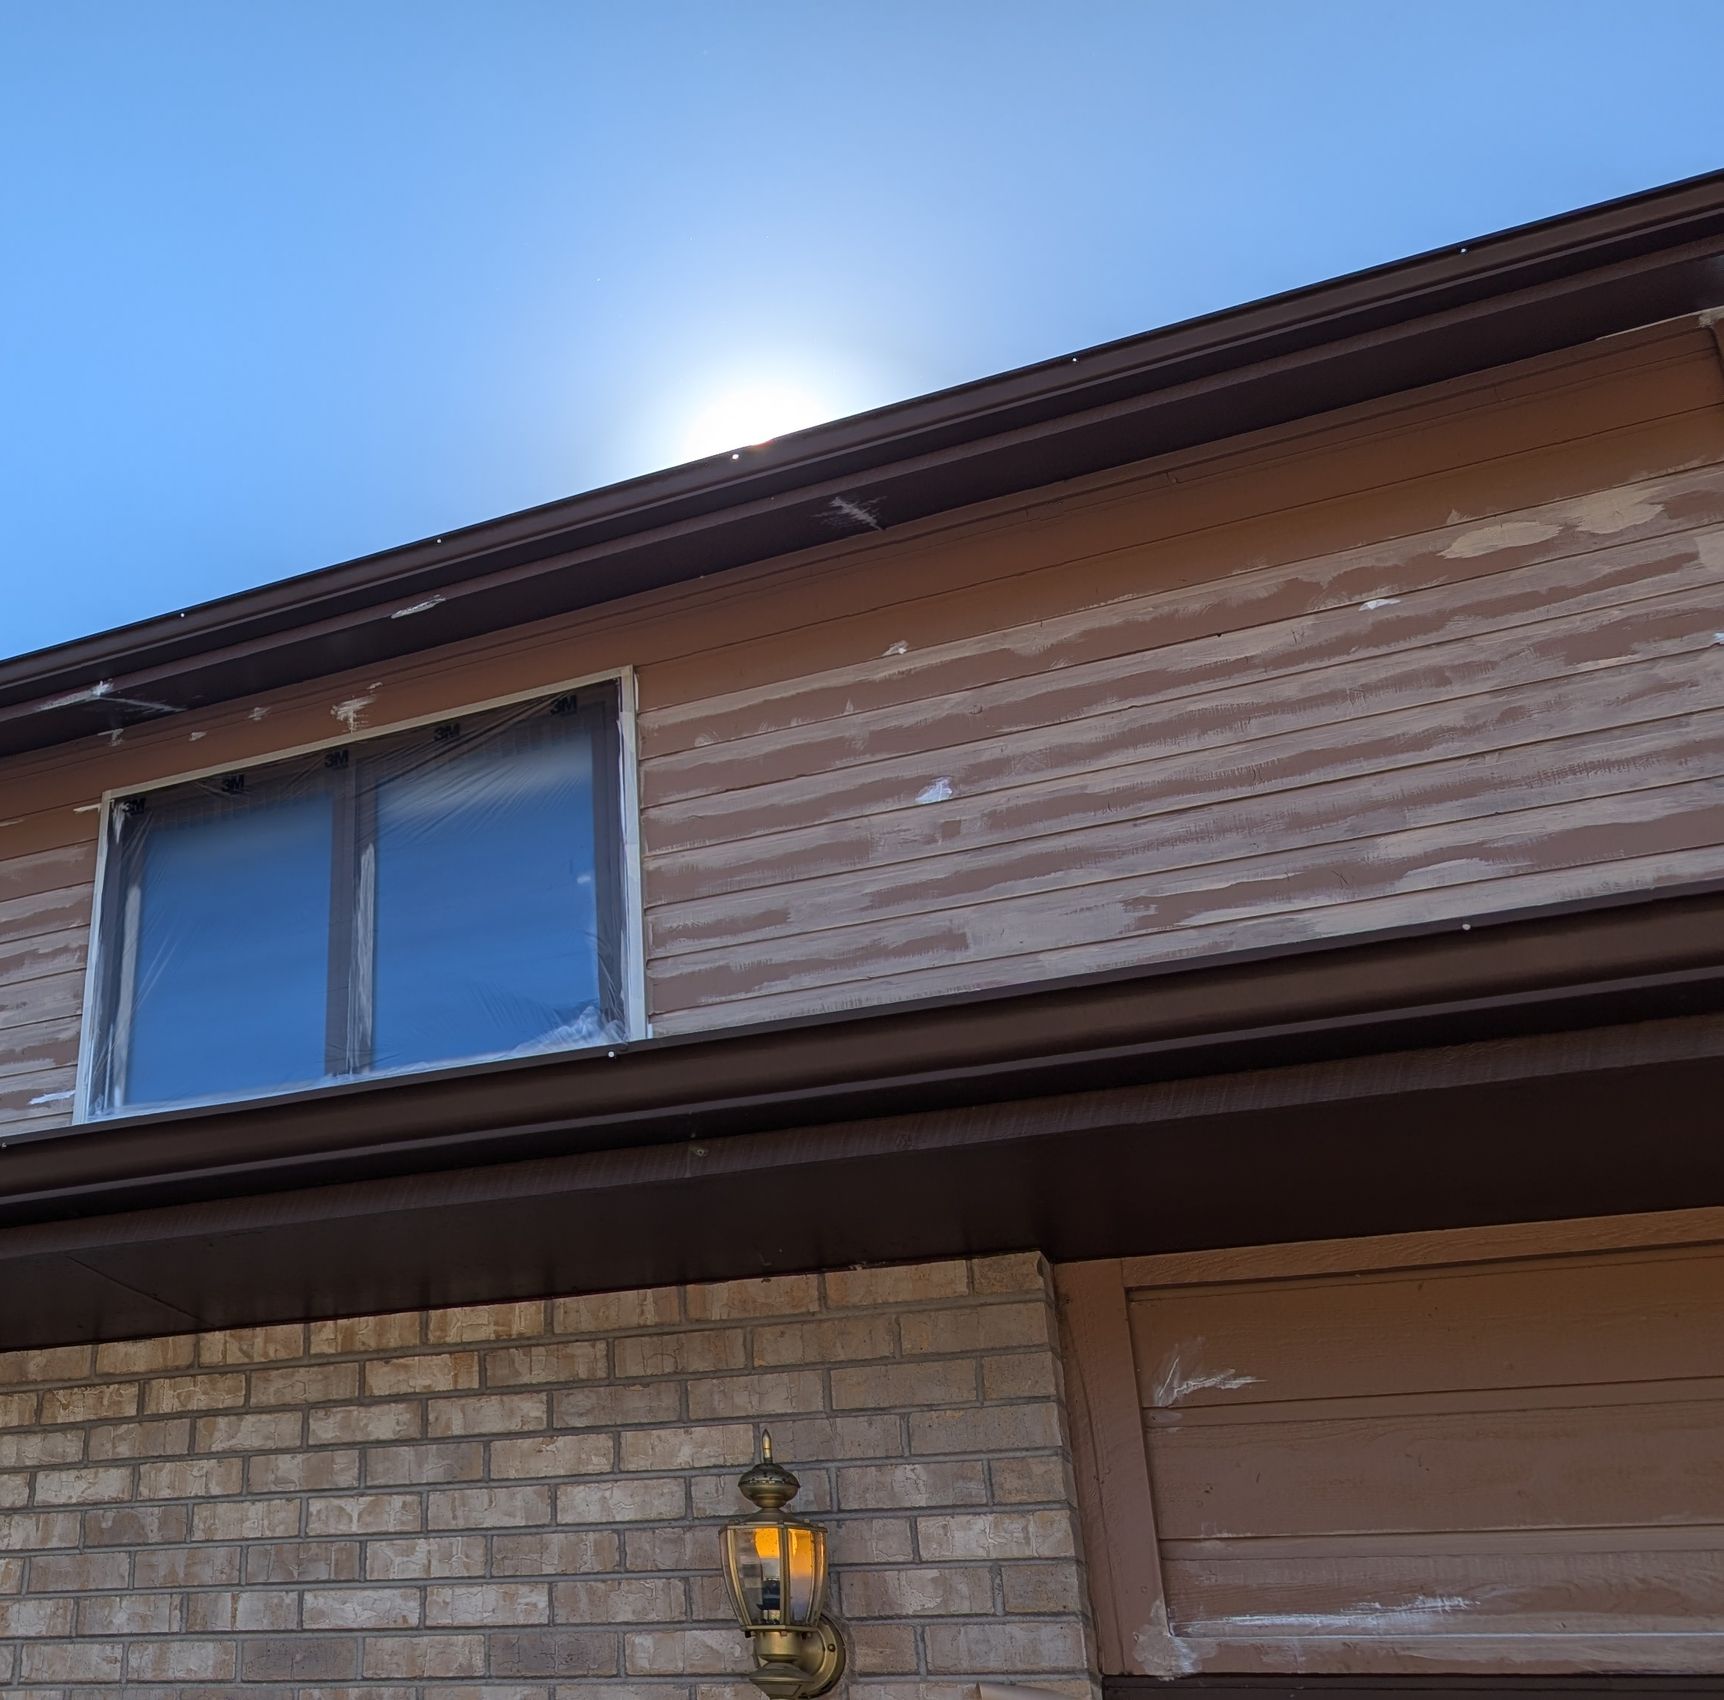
x=629, y=1599
x=11, y=1576
x=305, y=1384
x=426, y=1556
x=887, y=1487
x=73, y=1661
x=129, y=1614
x=1045, y=1588
x=30, y=1448
x=708, y=1599
x=360, y=1608
x=145, y=1357
x=645, y=1499
x=252, y=1345
x=246, y=1520
x=195, y=1393
x=698, y=1352
x=607, y=1407
x=191, y=1478
x=838, y=1339
x=452, y=1461
x=18, y=1409
x=771, y=1295
x=106, y=1484
x=259, y=1431
x=78, y=1572
x=101, y=1401
x=810, y=1439
x=678, y=1652
x=180, y=1660
x=884, y=1386
x=302, y=1561
x=872, y=1540
x=534, y=1366
x=489, y=1508
x=14, y=1491
x=426, y=1372
x=681, y=1548
x=248, y=1609
x=45, y=1363
x=553, y=1455
x=1015, y=1272
x=137, y=1526
x=766, y=1394
x=949, y=1590
x=1025, y=1647
x=367, y=1333
x=905, y=1283
x=698, y=1448
x=564, y=1552
x=303, y=1472
x=364, y=1514
x=485, y=1322
x=489, y=1603
x=1020, y=1375
x=37, y=1617
x=185, y=1567
x=31, y=1531
x=1024, y=1481
x=343, y=1425
x=996, y=1535
x=161, y=1439
x=883, y=1649
x=301, y=1658
x=553, y=1653
x=495, y=1413
x=418, y=1656
x=609, y=1313
x=986, y=1428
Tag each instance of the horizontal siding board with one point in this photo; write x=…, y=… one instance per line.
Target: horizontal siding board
x=1651, y=1317
x=1590, y=760
x=1698, y=1651
x=48, y=998
x=39, y=1046
x=1189, y=601
x=27, y=874
x=42, y=912
x=42, y=954
x=41, y=1099
x=1135, y=916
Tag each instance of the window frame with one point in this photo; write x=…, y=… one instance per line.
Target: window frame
x=617, y=859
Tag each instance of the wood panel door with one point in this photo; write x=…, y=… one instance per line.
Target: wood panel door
x=1483, y=1452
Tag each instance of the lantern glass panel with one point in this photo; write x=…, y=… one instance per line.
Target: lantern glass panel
x=779, y=1572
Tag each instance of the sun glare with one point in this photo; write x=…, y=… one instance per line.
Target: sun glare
x=752, y=413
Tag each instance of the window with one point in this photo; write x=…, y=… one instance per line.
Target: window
x=429, y=897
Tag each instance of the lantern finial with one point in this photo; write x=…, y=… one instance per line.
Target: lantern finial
x=766, y=1484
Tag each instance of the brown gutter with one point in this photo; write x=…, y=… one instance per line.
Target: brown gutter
x=1461, y=309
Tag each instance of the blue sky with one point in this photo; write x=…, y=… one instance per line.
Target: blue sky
x=284, y=283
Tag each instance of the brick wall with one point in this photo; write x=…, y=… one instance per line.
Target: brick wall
x=518, y=1501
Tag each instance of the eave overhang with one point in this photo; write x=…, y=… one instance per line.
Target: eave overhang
x=1462, y=309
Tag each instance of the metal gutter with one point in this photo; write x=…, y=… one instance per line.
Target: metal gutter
x=1461, y=309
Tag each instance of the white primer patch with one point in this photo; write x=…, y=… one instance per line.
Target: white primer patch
x=939, y=792
x=863, y=513
x=1173, y=1382
x=1606, y=512
x=898, y=648
x=351, y=713
x=429, y=603
x=258, y=714
x=85, y=808
x=1379, y=602
x=90, y=693
x=1158, y=1651
x=51, y=1098
x=196, y=735
x=1511, y=534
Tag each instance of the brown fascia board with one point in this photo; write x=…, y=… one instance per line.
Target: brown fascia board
x=1565, y=968
x=1461, y=309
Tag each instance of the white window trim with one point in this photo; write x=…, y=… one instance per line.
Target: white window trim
x=633, y=920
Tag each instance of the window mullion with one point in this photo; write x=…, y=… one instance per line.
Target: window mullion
x=338, y=1056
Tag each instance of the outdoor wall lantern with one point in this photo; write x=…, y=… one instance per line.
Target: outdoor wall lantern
x=775, y=1570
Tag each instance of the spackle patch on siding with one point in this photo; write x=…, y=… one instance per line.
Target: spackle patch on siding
x=1609, y=511
x=1174, y=1382
x=1158, y=1651
x=939, y=792
x=842, y=508
x=51, y=1098
x=258, y=714
x=1420, y=1614
x=85, y=808
x=429, y=603
x=90, y=693
x=351, y=713
x=898, y=648
x=1379, y=602
x=1511, y=534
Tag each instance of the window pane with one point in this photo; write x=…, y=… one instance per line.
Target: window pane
x=230, y=972
x=486, y=919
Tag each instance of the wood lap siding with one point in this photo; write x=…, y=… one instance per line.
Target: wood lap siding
x=1441, y=655
x=1508, y=1465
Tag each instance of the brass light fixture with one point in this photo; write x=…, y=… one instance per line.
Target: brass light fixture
x=775, y=1570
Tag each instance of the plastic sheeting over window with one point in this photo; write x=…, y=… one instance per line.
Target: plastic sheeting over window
x=438, y=896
